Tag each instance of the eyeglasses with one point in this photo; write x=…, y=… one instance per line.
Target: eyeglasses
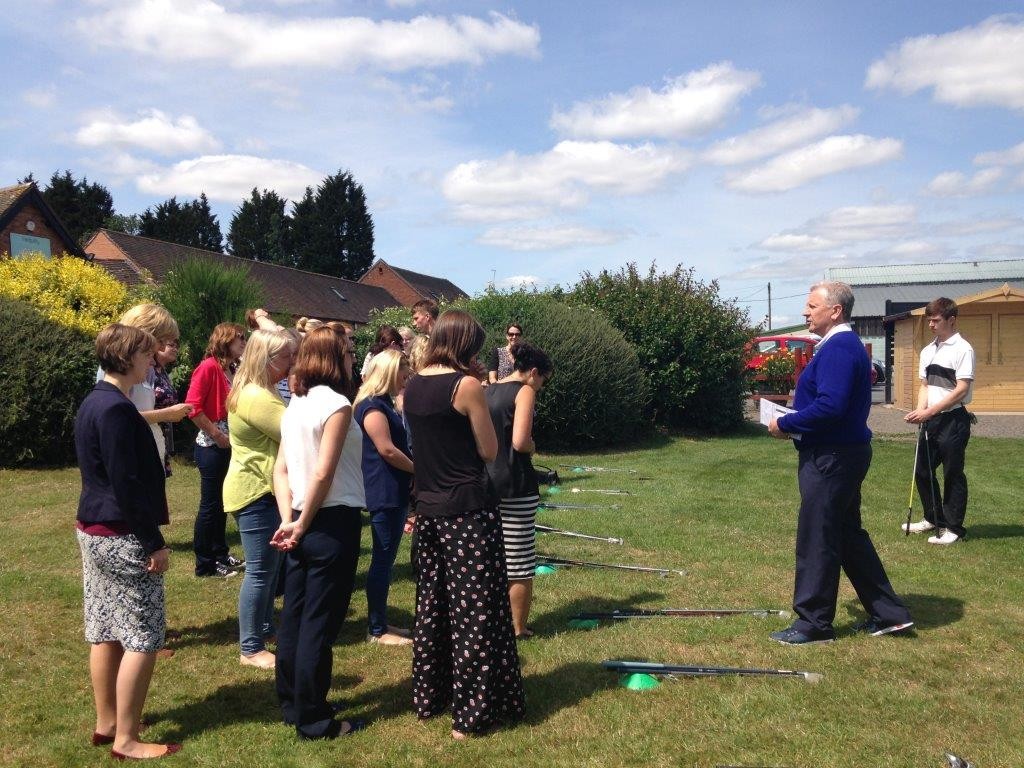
x=513, y=335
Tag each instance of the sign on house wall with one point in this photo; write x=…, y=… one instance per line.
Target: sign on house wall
x=24, y=244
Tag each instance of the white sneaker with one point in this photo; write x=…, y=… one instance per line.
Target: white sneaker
x=945, y=537
x=919, y=527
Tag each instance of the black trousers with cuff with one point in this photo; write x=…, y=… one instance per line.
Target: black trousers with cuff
x=944, y=441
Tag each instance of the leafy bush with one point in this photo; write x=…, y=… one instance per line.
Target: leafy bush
x=598, y=395
x=46, y=370
x=690, y=342
x=199, y=295
x=66, y=290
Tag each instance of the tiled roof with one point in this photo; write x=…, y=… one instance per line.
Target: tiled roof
x=121, y=270
x=290, y=291
x=432, y=287
x=10, y=195
x=940, y=272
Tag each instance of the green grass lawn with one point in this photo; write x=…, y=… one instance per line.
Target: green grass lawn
x=721, y=509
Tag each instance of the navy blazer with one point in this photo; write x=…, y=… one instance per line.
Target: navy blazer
x=122, y=475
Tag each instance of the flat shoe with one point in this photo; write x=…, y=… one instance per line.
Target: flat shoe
x=169, y=749
x=388, y=639
x=101, y=739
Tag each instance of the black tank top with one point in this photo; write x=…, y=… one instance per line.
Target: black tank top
x=511, y=471
x=451, y=478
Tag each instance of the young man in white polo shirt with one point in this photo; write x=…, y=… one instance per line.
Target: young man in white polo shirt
x=947, y=379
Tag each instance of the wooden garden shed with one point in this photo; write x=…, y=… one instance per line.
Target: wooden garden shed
x=993, y=322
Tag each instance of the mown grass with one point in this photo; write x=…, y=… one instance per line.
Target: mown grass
x=722, y=509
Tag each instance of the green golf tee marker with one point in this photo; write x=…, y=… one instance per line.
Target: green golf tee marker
x=638, y=681
x=554, y=489
x=544, y=569
x=583, y=623
x=577, y=470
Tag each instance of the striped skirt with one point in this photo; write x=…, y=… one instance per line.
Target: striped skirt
x=519, y=531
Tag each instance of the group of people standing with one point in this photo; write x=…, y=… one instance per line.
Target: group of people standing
x=432, y=450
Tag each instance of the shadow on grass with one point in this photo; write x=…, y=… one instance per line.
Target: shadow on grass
x=562, y=688
x=215, y=633
x=557, y=620
x=248, y=702
x=995, y=532
x=928, y=611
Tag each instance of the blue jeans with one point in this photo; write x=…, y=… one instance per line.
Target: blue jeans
x=256, y=524
x=386, y=525
x=209, y=538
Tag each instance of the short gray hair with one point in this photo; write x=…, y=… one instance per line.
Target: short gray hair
x=837, y=293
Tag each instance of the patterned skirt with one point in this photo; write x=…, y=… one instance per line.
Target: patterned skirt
x=519, y=531
x=123, y=603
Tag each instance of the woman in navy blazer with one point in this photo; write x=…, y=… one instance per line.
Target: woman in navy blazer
x=124, y=556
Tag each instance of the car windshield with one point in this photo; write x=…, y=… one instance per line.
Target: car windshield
x=767, y=347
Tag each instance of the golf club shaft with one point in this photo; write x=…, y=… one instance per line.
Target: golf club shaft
x=608, y=539
x=579, y=468
x=647, y=668
x=644, y=613
x=605, y=491
x=586, y=564
x=545, y=505
x=913, y=478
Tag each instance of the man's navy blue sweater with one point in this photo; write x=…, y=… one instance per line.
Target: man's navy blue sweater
x=833, y=395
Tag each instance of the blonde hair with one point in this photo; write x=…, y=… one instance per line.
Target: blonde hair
x=307, y=324
x=260, y=352
x=153, y=319
x=382, y=375
x=417, y=352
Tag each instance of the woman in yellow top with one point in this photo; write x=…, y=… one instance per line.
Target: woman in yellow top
x=254, y=427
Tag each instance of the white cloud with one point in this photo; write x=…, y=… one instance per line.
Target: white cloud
x=1018, y=183
x=977, y=226
x=516, y=186
x=973, y=66
x=791, y=131
x=999, y=251
x=956, y=184
x=844, y=226
x=40, y=98
x=204, y=30
x=548, y=238
x=229, y=177
x=519, y=281
x=1012, y=156
x=689, y=105
x=828, y=156
x=910, y=251
x=153, y=131
x=797, y=270
x=796, y=243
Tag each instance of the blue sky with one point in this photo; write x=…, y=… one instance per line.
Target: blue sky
x=530, y=141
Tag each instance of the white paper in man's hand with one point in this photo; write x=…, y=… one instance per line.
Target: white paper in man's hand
x=771, y=410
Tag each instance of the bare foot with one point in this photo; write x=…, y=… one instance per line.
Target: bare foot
x=140, y=750
x=389, y=638
x=459, y=735
x=260, y=659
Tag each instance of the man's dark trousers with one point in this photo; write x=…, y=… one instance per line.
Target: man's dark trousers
x=829, y=537
x=948, y=434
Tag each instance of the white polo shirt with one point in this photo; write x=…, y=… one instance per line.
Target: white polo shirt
x=943, y=363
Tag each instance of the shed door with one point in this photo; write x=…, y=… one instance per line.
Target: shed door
x=1011, y=340
x=977, y=329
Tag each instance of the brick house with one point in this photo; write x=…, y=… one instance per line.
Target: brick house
x=408, y=287
x=288, y=291
x=28, y=224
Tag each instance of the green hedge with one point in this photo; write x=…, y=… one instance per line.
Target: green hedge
x=690, y=342
x=598, y=396
x=46, y=370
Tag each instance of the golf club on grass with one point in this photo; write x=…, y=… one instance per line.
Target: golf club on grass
x=581, y=468
x=545, y=505
x=607, y=539
x=957, y=762
x=673, y=670
x=606, y=491
x=545, y=560
x=913, y=478
x=657, y=613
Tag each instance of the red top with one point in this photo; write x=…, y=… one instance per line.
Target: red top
x=208, y=390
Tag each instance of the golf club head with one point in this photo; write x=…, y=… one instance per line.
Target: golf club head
x=957, y=762
x=813, y=677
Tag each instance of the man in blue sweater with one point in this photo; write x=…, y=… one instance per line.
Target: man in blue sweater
x=831, y=435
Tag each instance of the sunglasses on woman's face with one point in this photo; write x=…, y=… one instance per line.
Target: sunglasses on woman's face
x=512, y=335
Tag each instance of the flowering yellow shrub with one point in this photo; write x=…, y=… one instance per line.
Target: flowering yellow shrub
x=66, y=289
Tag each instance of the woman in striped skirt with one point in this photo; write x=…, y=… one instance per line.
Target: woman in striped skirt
x=511, y=402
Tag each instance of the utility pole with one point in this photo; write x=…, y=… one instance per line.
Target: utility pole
x=769, y=306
